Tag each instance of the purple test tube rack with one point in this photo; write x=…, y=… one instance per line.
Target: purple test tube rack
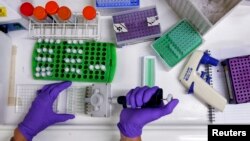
x=135, y=26
x=239, y=75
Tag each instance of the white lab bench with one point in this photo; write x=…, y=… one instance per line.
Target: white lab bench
x=189, y=120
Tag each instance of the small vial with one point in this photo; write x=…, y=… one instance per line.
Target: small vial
x=78, y=71
x=78, y=60
x=66, y=69
x=79, y=51
x=64, y=14
x=43, y=74
x=69, y=42
x=45, y=50
x=48, y=73
x=74, y=41
x=27, y=10
x=91, y=67
x=51, y=8
x=39, y=50
x=43, y=69
x=38, y=69
x=97, y=67
x=44, y=59
x=40, y=40
x=48, y=68
x=74, y=51
x=81, y=41
x=40, y=15
x=66, y=60
x=46, y=40
x=50, y=51
x=49, y=59
x=72, y=69
x=103, y=68
x=38, y=59
x=89, y=13
x=58, y=41
x=68, y=50
x=51, y=41
x=73, y=61
x=37, y=74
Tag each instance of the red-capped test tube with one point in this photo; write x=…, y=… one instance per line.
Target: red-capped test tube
x=52, y=8
x=27, y=9
x=89, y=13
x=65, y=15
x=41, y=15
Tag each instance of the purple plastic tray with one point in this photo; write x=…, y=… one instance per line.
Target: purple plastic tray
x=240, y=78
x=136, y=25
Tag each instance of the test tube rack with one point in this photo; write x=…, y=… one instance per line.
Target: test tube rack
x=177, y=43
x=74, y=61
x=135, y=26
x=117, y=3
x=25, y=94
x=237, y=72
x=78, y=28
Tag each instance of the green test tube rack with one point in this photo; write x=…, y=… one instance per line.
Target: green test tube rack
x=177, y=43
x=82, y=62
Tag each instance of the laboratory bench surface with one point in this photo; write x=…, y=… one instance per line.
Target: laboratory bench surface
x=188, y=122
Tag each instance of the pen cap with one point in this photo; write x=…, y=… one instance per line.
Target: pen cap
x=51, y=7
x=27, y=9
x=64, y=13
x=89, y=12
x=208, y=60
x=40, y=13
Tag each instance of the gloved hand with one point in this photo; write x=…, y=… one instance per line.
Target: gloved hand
x=133, y=119
x=41, y=114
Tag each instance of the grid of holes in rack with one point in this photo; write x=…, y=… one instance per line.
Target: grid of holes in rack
x=117, y=3
x=136, y=24
x=93, y=53
x=240, y=73
x=177, y=43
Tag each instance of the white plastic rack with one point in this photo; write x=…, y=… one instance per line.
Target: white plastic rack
x=77, y=28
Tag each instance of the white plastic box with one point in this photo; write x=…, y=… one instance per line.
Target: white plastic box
x=203, y=14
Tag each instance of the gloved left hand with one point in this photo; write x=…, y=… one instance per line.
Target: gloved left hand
x=41, y=114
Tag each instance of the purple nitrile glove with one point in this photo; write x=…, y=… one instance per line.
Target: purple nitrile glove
x=133, y=119
x=41, y=114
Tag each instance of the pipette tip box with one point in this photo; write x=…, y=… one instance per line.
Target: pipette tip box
x=135, y=26
x=177, y=43
x=117, y=3
x=74, y=61
x=237, y=72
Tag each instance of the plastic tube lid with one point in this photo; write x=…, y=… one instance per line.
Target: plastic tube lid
x=51, y=7
x=64, y=13
x=89, y=12
x=40, y=13
x=27, y=9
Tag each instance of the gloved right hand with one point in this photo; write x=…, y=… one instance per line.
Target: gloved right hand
x=41, y=114
x=133, y=119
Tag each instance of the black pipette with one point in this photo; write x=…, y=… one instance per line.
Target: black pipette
x=155, y=101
